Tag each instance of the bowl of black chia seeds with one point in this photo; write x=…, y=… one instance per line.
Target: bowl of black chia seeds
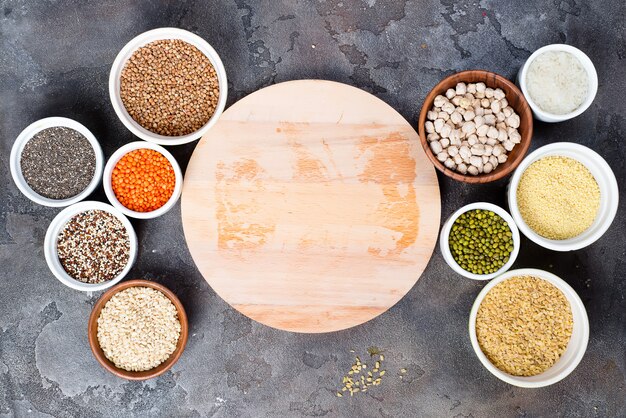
x=56, y=162
x=90, y=246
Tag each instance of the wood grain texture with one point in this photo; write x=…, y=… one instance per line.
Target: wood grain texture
x=310, y=206
x=516, y=100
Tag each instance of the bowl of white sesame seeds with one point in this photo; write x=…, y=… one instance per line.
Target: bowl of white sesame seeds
x=138, y=329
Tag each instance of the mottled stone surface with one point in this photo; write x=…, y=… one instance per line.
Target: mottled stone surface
x=54, y=60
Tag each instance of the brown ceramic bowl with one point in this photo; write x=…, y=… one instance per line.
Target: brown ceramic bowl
x=161, y=368
x=516, y=100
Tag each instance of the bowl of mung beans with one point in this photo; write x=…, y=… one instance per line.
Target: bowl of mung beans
x=563, y=196
x=56, y=162
x=138, y=329
x=142, y=180
x=480, y=241
x=168, y=86
x=90, y=246
x=529, y=328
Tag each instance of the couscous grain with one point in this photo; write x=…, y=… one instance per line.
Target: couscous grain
x=558, y=197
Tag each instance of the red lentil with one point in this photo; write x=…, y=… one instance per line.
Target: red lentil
x=143, y=180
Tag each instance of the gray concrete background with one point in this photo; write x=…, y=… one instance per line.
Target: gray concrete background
x=54, y=60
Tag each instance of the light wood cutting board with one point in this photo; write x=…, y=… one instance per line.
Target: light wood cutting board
x=310, y=206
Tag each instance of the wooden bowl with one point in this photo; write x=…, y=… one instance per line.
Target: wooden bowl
x=516, y=100
x=161, y=368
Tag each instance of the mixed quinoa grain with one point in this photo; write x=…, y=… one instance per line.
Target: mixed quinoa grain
x=558, y=197
x=169, y=87
x=523, y=325
x=93, y=246
x=138, y=329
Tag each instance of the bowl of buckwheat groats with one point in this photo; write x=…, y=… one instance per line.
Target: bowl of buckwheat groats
x=90, y=246
x=168, y=86
x=138, y=329
x=475, y=126
x=142, y=180
x=529, y=328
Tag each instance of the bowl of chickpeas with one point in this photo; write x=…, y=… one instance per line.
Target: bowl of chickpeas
x=475, y=126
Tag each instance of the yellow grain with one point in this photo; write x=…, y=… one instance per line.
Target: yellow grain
x=558, y=197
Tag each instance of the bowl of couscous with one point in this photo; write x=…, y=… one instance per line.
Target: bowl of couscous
x=563, y=196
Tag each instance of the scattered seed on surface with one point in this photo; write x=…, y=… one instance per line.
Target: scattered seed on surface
x=558, y=197
x=169, y=87
x=138, y=329
x=58, y=163
x=357, y=379
x=524, y=325
x=93, y=246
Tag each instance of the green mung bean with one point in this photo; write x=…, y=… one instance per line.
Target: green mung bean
x=480, y=241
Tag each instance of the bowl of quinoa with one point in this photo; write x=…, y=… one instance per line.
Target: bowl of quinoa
x=529, y=328
x=563, y=196
x=90, y=246
x=138, y=329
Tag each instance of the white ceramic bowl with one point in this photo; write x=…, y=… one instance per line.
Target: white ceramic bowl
x=575, y=348
x=146, y=38
x=601, y=171
x=27, y=134
x=108, y=188
x=445, y=235
x=587, y=65
x=50, y=245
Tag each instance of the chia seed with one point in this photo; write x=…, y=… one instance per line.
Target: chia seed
x=93, y=247
x=58, y=163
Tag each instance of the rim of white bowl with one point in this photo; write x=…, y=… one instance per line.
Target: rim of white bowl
x=108, y=188
x=576, y=347
x=50, y=245
x=445, y=234
x=587, y=64
x=604, y=176
x=155, y=35
x=27, y=134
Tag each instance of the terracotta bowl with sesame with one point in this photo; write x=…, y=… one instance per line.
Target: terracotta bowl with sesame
x=154, y=127
x=161, y=368
x=515, y=99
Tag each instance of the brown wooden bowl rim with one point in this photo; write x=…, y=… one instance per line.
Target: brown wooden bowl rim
x=481, y=178
x=92, y=331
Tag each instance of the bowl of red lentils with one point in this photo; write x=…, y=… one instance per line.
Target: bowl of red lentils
x=168, y=86
x=142, y=180
x=90, y=246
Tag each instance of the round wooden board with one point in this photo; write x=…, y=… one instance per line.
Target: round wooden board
x=310, y=206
